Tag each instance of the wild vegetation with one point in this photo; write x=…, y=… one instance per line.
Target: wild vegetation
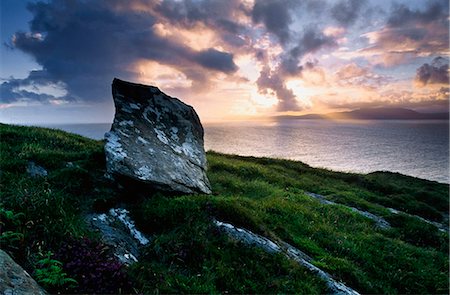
x=188, y=253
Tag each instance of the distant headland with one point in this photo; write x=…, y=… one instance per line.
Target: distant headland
x=373, y=114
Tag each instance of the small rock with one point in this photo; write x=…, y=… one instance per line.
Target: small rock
x=155, y=140
x=36, y=170
x=14, y=279
x=71, y=165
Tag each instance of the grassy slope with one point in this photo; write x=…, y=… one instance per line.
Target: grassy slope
x=264, y=195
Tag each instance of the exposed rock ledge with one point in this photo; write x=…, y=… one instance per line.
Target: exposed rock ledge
x=440, y=226
x=379, y=221
x=291, y=252
x=118, y=231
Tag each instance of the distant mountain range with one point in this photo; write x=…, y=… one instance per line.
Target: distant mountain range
x=374, y=114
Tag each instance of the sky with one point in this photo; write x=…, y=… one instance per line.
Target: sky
x=229, y=59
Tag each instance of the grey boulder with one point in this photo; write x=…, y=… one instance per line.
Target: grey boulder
x=15, y=280
x=156, y=140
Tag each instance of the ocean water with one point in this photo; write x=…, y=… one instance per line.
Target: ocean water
x=415, y=148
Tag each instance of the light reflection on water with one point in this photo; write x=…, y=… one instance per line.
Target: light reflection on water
x=416, y=148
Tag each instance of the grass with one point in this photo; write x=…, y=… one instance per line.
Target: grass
x=188, y=254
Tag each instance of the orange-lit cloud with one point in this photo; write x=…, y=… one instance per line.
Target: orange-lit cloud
x=392, y=46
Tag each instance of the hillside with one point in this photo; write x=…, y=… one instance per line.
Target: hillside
x=377, y=233
x=374, y=114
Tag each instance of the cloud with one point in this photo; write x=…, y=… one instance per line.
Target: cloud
x=216, y=60
x=402, y=15
x=85, y=45
x=275, y=15
x=14, y=90
x=228, y=19
x=429, y=101
x=311, y=41
x=221, y=15
x=355, y=75
x=434, y=73
x=10, y=92
x=187, y=12
x=269, y=82
x=295, y=43
x=198, y=48
x=409, y=34
x=345, y=12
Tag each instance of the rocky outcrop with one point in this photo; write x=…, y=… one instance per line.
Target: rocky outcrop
x=15, y=280
x=247, y=237
x=379, y=221
x=155, y=139
x=119, y=232
x=443, y=227
x=36, y=170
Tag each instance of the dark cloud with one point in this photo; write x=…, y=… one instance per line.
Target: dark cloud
x=434, y=73
x=401, y=15
x=217, y=14
x=315, y=7
x=216, y=60
x=85, y=46
x=345, y=12
x=270, y=82
x=189, y=12
x=186, y=12
x=312, y=40
x=233, y=40
x=409, y=34
x=230, y=26
x=290, y=66
x=275, y=15
x=16, y=89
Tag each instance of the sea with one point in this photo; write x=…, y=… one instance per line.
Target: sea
x=416, y=148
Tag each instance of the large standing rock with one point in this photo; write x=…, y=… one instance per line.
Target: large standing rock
x=15, y=280
x=155, y=139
